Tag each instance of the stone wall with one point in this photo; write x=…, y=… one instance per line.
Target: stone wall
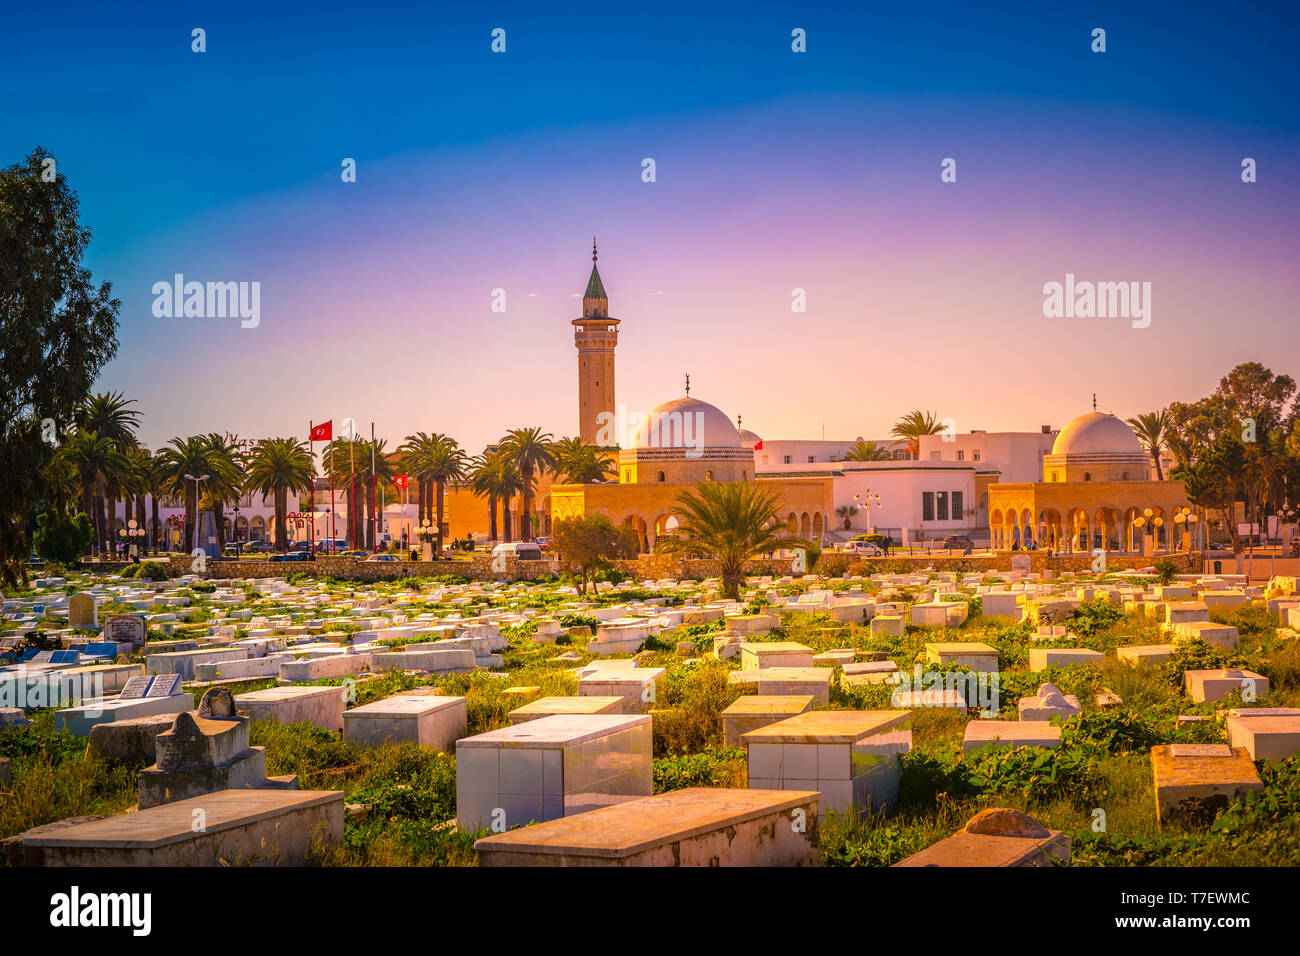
x=478, y=567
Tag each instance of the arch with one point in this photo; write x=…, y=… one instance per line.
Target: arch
x=805, y=525
x=817, y=524
x=637, y=524
x=257, y=529
x=660, y=477
x=792, y=523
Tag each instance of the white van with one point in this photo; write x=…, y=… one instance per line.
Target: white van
x=520, y=550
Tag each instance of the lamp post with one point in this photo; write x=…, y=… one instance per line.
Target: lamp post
x=236, y=527
x=426, y=534
x=1186, y=520
x=866, y=501
x=1145, y=520
x=131, y=536
x=195, y=532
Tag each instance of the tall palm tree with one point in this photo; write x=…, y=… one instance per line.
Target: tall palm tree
x=158, y=483
x=346, y=456
x=495, y=477
x=1152, y=429
x=730, y=522
x=448, y=464
x=530, y=450
x=136, y=484
x=418, y=452
x=224, y=481
x=377, y=469
x=276, y=467
x=915, y=424
x=108, y=415
x=91, y=457
x=866, y=451
x=187, y=456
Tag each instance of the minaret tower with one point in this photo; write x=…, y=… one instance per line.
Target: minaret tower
x=595, y=335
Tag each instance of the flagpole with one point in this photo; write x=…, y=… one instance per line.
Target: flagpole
x=311, y=522
x=374, y=493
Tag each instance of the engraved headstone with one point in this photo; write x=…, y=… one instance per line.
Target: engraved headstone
x=124, y=628
x=164, y=685
x=136, y=687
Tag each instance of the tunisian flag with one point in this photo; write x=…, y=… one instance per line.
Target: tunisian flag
x=400, y=480
x=758, y=445
x=323, y=431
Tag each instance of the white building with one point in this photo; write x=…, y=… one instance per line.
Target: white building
x=1016, y=456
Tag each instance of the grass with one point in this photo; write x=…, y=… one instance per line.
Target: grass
x=1097, y=786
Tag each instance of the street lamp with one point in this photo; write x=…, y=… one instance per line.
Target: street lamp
x=237, y=549
x=867, y=502
x=427, y=533
x=1186, y=520
x=195, y=540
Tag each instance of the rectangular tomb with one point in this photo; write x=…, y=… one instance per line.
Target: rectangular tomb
x=426, y=721
x=750, y=712
x=551, y=767
x=850, y=756
x=1193, y=782
x=257, y=827
x=701, y=826
x=550, y=706
x=320, y=706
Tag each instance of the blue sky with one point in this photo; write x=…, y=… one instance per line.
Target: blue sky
x=479, y=170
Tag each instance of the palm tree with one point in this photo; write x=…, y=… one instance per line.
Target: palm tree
x=866, y=451
x=158, y=483
x=448, y=464
x=418, y=452
x=375, y=470
x=530, y=450
x=187, y=456
x=848, y=511
x=91, y=457
x=729, y=522
x=579, y=463
x=136, y=484
x=1151, y=429
x=277, y=467
x=494, y=476
x=108, y=415
x=224, y=480
x=345, y=456
x=912, y=426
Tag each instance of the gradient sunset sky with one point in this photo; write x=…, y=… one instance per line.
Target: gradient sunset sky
x=775, y=170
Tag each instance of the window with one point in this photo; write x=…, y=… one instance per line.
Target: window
x=786, y=459
x=661, y=476
x=941, y=500
x=1087, y=476
x=811, y=459
x=708, y=476
x=958, y=511
x=976, y=456
x=927, y=506
x=961, y=454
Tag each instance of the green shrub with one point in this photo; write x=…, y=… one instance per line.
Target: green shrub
x=63, y=540
x=712, y=767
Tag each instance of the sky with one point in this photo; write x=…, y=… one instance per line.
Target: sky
x=774, y=171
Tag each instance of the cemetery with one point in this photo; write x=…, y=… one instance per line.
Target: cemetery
x=450, y=721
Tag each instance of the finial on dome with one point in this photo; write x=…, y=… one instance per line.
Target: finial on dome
x=737, y=421
x=688, y=383
x=1094, y=401
x=593, y=248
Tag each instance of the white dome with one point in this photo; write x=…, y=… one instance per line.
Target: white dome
x=1097, y=434
x=703, y=424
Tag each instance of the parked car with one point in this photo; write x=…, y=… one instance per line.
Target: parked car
x=259, y=547
x=383, y=557
x=326, y=546
x=958, y=542
x=354, y=554
x=521, y=550
x=865, y=548
x=544, y=542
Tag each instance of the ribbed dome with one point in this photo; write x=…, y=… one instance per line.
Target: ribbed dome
x=1097, y=434
x=704, y=424
x=748, y=438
